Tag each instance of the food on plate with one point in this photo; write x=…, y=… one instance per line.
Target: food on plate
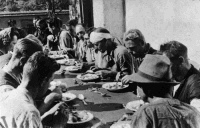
x=68, y=96
x=123, y=124
x=78, y=116
x=134, y=105
x=54, y=84
x=116, y=86
x=63, y=61
x=89, y=76
x=72, y=68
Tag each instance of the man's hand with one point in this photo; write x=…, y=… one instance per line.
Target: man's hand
x=60, y=117
x=127, y=79
x=56, y=116
x=55, y=95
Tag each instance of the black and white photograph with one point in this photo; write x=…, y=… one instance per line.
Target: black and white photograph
x=99, y=63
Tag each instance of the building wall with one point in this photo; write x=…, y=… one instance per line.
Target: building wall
x=164, y=20
x=98, y=12
x=109, y=14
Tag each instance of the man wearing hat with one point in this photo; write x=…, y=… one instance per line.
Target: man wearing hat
x=110, y=54
x=138, y=48
x=155, y=79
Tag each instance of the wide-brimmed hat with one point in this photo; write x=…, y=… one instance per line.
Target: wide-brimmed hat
x=154, y=69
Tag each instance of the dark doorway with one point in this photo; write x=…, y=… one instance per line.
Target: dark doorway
x=86, y=8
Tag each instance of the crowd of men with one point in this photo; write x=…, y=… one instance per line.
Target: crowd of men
x=165, y=78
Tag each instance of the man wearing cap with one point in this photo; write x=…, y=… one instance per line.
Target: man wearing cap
x=111, y=55
x=184, y=72
x=138, y=48
x=155, y=78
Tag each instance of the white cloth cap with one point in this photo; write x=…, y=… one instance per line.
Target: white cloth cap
x=95, y=37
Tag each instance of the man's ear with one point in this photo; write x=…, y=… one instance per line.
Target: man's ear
x=22, y=61
x=181, y=59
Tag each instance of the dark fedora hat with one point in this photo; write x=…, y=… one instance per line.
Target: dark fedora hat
x=154, y=69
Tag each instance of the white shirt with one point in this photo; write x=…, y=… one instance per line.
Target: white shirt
x=5, y=88
x=17, y=110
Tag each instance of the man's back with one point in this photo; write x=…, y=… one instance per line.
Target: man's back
x=189, y=87
x=17, y=110
x=166, y=113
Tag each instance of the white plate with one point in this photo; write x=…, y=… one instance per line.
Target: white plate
x=121, y=124
x=56, y=83
x=68, y=96
x=134, y=105
x=62, y=61
x=58, y=56
x=72, y=68
x=114, y=86
x=86, y=117
x=87, y=77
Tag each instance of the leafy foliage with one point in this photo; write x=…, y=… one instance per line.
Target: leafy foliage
x=30, y=5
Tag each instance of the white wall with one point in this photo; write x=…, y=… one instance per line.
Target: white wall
x=109, y=14
x=163, y=20
x=98, y=13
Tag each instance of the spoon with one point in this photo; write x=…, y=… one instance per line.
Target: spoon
x=102, y=94
x=81, y=97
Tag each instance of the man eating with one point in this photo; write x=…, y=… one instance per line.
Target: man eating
x=17, y=107
x=111, y=55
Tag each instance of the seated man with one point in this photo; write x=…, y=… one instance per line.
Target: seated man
x=89, y=55
x=17, y=107
x=80, y=51
x=11, y=73
x=54, y=26
x=155, y=78
x=90, y=51
x=67, y=39
x=138, y=48
x=110, y=55
x=8, y=38
x=184, y=72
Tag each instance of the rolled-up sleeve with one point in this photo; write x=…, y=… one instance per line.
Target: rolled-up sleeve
x=124, y=62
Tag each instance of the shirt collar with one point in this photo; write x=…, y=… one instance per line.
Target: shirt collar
x=26, y=93
x=191, y=71
x=18, y=77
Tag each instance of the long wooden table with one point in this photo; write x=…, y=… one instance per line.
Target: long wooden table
x=105, y=109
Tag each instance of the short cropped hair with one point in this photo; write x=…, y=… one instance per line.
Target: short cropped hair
x=72, y=22
x=136, y=35
x=173, y=49
x=39, y=66
x=90, y=30
x=26, y=47
x=101, y=30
